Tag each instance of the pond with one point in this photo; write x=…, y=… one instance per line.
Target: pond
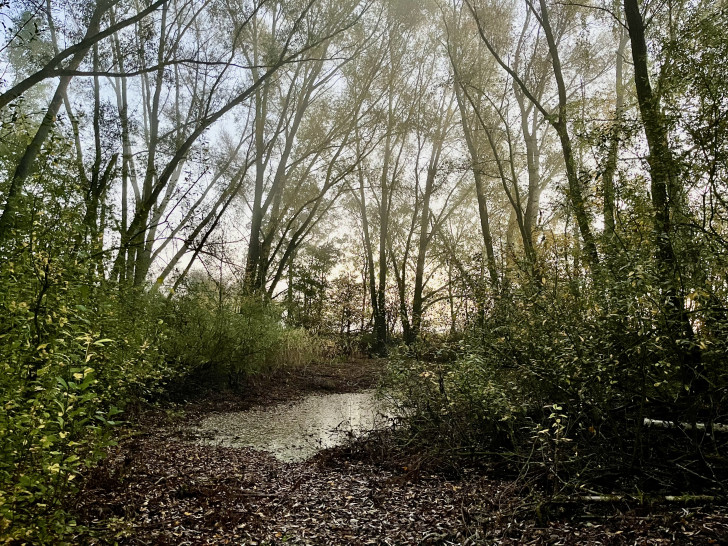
x=297, y=430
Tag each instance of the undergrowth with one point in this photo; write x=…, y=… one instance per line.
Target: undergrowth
x=565, y=383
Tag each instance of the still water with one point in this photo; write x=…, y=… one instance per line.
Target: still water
x=297, y=430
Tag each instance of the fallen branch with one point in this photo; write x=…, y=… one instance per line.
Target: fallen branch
x=712, y=427
x=676, y=499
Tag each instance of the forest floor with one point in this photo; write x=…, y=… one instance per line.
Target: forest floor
x=157, y=487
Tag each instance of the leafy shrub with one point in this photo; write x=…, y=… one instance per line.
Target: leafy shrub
x=222, y=333
x=74, y=349
x=465, y=404
x=559, y=369
x=71, y=355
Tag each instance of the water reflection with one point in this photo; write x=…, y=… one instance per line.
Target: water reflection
x=296, y=431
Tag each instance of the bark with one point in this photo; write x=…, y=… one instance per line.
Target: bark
x=400, y=274
x=533, y=164
x=425, y=237
x=368, y=249
x=560, y=125
x=380, y=319
x=610, y=167
x=660, y=160
x=479, y=189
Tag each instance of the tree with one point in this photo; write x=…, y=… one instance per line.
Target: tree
x=558, y=117
x=667, y=199
x=395, y=109
x=26, y=161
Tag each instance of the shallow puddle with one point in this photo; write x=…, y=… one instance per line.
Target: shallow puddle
x=298, y=430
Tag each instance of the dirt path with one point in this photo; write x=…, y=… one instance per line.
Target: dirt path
x=164, y=490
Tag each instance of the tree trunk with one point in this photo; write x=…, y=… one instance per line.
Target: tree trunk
x=610, y=168
x=665, y=199
x=425, y=236
x=479, y=189
x=368, y=249
x=560, y=125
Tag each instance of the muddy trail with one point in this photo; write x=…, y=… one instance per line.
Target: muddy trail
x=161, y=486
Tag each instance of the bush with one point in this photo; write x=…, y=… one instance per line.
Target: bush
x=559, y=369
x=75, y=349
x=464, y=405
x=218, y=332
x=72, y=355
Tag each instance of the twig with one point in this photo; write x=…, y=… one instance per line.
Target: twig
x=251, y=493
x=680, y=499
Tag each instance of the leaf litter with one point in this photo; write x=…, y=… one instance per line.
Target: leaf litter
x=158, y=487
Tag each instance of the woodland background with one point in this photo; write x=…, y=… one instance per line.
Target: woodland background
x=523, y=204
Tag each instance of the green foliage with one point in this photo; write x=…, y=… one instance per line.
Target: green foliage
x=73, y=350
x=466, y=404
x=561, y=376
x=70, y=357
x=218, y=331
x=298, y=347
x=76, y=347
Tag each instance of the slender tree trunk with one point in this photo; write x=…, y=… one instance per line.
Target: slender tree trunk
x=610, y=168
x=380, y=318
x=368, y=249
x=256, y=219
x=138, y=240
x=399, y=278
x=576, y=194
x=425, y=236
x=480, y=191
x=533, y=162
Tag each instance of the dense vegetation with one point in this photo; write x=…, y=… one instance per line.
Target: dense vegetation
x=524, y=205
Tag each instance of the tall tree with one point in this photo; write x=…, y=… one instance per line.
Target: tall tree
x=557, y=117
x=667, y=198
